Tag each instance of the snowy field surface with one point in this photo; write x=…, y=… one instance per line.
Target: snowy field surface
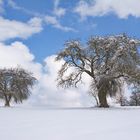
x=69, y=124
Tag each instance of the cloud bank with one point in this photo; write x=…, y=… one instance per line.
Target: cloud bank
x=45, y=92
x=121, y=8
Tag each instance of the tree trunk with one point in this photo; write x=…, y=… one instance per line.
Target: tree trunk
x=7, y=103
x=136, y=102
x=7, y=100
x=103, y=99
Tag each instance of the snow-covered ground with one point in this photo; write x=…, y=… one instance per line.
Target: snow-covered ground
x=69, y=124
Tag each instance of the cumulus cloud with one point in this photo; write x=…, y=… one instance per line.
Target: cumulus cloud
x=122, y=8
x=16, y=29
x=45, y=92
x=17, y=54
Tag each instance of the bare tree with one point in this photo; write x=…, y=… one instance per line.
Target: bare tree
x=105, y=60
x=122, y=100
x=15, y=85
x=135, y=97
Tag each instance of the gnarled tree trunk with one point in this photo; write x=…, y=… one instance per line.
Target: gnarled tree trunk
x=102, y=99
x=7, y=103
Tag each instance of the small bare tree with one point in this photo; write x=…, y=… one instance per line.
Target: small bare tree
x=135, y=99
x=122, y=100
x=105, y=59
x=15, y=85
x=135, y=96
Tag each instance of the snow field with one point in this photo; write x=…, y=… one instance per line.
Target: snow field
x=69, y=124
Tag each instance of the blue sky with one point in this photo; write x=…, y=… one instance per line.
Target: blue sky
x=50, y=39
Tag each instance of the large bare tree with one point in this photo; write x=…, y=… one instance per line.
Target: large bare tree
x=107, y=60
x=15, y=85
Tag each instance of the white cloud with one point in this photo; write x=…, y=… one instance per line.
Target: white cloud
x=122, y=8
x=48, y=94
x=46, y=91
x=52, y=20
x=58, y=11
x=12, y=28
x=17, y=54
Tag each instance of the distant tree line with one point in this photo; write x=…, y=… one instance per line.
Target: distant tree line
x=132, y=100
